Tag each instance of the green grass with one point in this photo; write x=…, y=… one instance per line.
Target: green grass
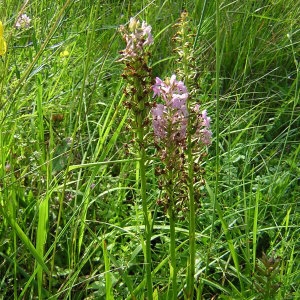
x=72, y=223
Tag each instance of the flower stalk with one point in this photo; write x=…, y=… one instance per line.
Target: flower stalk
x=172, y=135
x=173, y=269
x=137, y=73
x=189, y=292
x=142, y=161
x=188, y=71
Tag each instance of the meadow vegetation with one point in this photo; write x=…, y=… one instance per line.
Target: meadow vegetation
x=95, y=203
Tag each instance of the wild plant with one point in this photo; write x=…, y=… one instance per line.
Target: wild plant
x=138, y=77
x=266, y=276
x=178, y=132
x=174, y=212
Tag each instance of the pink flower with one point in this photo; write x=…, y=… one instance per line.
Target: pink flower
x=206, y=119
x=156, y=87
x=23, y=22
x=147, y=33
x=170, y=90
x=137, y=38
x=159, y=122
x=170, y=120
x=179, y=101
x=205, y=133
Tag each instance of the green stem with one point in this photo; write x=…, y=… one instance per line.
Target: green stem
x=218, y=64
x=173, y=270
x=192, y=239
x=192, y=247
x=217, y=131
x=142, y=156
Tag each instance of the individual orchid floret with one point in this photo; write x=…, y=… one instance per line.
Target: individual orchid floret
x=133, y=24
x=147, y=33
x=206, y=134
x=159, y=121
x=23, y=22
x=137, y=38
x=156, y=87
x=206, y=119
x=202, y=125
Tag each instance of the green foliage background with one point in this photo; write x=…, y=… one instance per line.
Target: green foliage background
x=70, y=213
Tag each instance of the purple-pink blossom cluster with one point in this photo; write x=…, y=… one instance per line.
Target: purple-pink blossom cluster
x=138, y=36
x=170, y=120
x=23, y=22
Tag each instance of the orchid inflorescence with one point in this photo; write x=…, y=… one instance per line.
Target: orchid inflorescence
x=170, y=120
x=137, y=72
x=173, y=123
x=137, y=38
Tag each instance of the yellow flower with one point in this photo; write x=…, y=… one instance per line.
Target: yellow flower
x=64, y=53
x=2, y=41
